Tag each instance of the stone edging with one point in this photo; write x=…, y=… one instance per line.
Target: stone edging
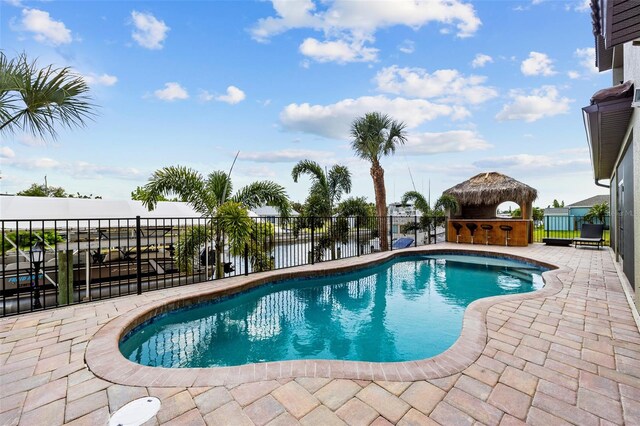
x=104, y=359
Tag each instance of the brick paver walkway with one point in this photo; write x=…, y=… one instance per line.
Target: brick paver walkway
x=571, y=357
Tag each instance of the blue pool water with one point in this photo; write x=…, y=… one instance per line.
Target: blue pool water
x=405, y=309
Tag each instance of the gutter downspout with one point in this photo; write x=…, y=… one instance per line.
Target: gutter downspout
x=596, y=181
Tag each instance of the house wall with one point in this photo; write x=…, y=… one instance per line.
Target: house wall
x=631, y=70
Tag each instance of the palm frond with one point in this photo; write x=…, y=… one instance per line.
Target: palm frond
x=262, y=193
x=188, y=247
x=37, y=100
x=219, y=187
x=418, y=200
x=184, y=182
x=234, y=219
x=376, y=135
x=339, y=181
x=448, y=202
x=311, y=168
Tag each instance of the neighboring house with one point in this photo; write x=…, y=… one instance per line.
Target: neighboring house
x=272, y=215
x=402, y=214
x=612, y=122
x=581, y=208
x=570, y=218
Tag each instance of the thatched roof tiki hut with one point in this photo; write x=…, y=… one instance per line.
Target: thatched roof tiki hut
x=479, y=198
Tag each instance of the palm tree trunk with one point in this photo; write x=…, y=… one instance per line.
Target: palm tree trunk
x=377, y=174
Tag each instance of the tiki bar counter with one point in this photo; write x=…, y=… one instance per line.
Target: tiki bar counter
x=475, y=222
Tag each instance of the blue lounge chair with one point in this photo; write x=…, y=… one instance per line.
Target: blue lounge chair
x=401, y=243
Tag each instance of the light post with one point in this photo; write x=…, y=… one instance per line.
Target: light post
x=37, y=257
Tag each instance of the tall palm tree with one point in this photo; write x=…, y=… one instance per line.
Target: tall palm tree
x=213, y=197
x=375, y=136
x=36, y=100
x=326, y=190
x=431, y=216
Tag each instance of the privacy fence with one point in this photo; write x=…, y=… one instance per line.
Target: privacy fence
x=51, y=263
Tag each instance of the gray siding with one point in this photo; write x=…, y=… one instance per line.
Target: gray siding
x=625, y=213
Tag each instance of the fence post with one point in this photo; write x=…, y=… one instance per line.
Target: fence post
x=546, y=224
x=312, y=242
x=358, y=234
x=390, y=232
x=246, y=258
x=138, y=256
x=415, y=231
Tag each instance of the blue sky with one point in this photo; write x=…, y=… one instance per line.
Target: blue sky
x=482, y=86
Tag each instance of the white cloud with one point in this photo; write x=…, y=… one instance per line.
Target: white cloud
x=540, y=103
x=587, y=58
x=78, y=169
x=16, y=3
x=339, y=51
x=334, y=120
x=288, y=156
x=233, y=96
x=445, y=85
x=206, y=96
x=587, y=61
x=347, y=25
x=100, y=80
x=30, y=140
x=171, y=92
x=534, y=162
x=44, y=28
x=366, y=17
x=451, y=141
x=6, y=152
x=583, y=6
x=481, y=60
x=149, y=32
x=407, y=47
x=537, y=64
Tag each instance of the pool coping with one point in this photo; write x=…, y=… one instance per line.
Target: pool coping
x=104, y=359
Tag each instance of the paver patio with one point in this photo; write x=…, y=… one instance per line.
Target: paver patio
x=567, y=356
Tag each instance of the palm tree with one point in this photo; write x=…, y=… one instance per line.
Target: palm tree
x=213, y=197
x=35, y=100
x=431, y=216
x=374, y=136
x=597, y=211
x=326, y=190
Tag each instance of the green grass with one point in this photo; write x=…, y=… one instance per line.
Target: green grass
x=540, y=233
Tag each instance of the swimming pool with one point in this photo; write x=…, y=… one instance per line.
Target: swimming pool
x=407, y=308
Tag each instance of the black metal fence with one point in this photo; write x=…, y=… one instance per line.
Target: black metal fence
x=50, y=263
x=566, y=227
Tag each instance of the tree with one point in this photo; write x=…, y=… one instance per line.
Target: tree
x=597, y=211
x=326, y=190
x=557, y=205
x=36, y=190
x=213, y=198
x=431, y=216
x=375, y=136
x=356, y=206
x=139, y=194
x=537, y=214
x=36, y=100
x=328, y=187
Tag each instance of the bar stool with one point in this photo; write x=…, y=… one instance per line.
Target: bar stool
x=472, y=229
x=507, y=229
x=486, y=228
x=457, y=227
